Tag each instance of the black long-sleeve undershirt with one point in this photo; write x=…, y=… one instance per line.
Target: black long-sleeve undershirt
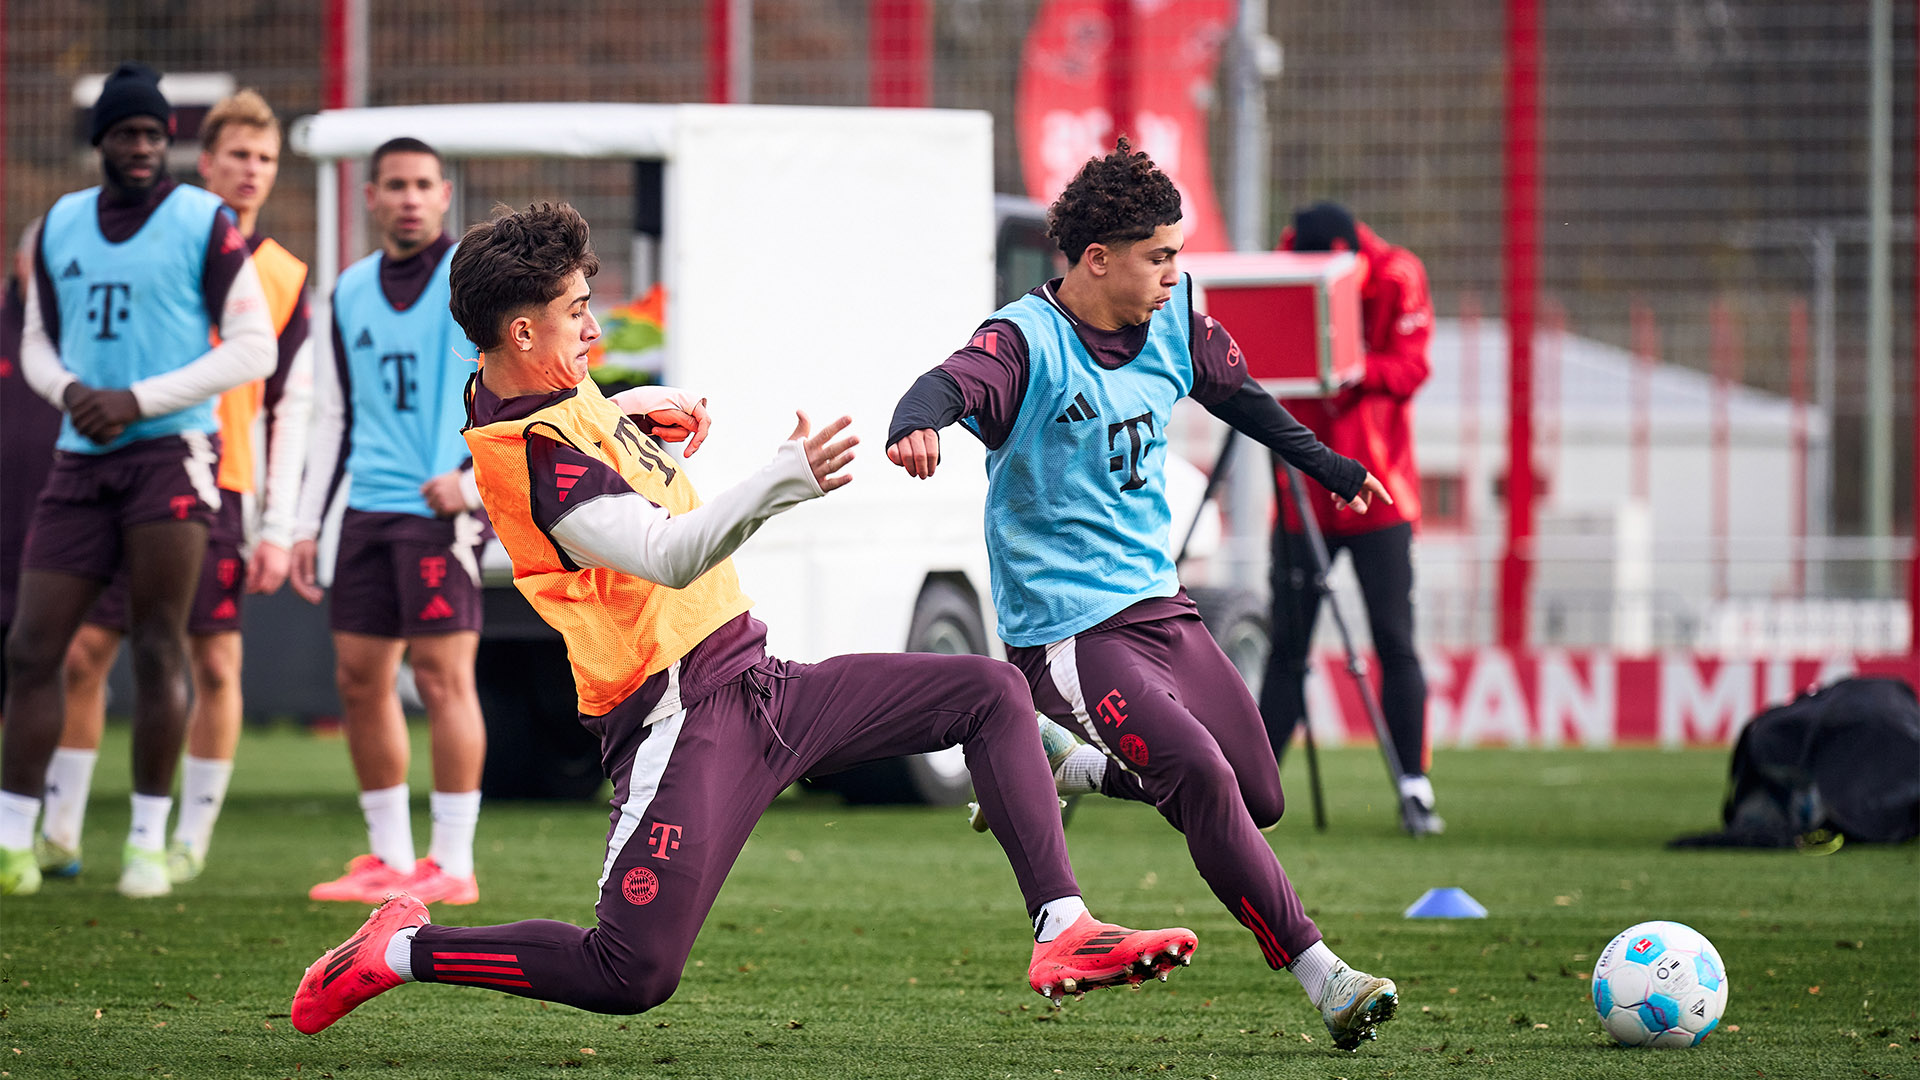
x=1254, y=412
x=934, y=401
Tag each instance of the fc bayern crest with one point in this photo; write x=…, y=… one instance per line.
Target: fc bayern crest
x=1135, y=748
x=640, y=886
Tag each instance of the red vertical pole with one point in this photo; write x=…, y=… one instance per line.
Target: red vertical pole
x=1646, y=352
x=1120, y=68
x=1797, y=390
x=1470, y=457
x=720, y=51
x=1522, y=262
x=899, y=53
x=1913, y=560
x=343, y=87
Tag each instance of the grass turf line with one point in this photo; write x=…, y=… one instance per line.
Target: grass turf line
x=870, y=942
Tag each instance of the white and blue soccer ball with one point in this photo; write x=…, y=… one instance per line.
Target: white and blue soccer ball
x=1660, y=984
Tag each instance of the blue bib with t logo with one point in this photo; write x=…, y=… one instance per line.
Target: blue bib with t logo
x=132, y=310
x=405, y=387
x=1077, y=517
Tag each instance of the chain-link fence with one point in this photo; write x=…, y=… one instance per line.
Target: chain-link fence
x=1694, y=151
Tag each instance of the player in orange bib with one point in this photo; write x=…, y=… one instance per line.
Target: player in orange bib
x=700, y=729
x=263, y=435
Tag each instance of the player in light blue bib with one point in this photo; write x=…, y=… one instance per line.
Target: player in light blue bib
x=406, y=580
x=132, y=281
x=1072, y=389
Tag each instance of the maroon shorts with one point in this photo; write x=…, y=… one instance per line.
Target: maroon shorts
x=216, y=604
x=400, y=575
x=91, y=500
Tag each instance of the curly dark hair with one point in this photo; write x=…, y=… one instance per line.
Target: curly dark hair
x=1117, y=199
x=520, y=259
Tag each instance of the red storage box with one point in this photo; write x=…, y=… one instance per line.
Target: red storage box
x=1296, y=315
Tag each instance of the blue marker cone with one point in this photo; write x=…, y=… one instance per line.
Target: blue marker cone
x=1447, y=903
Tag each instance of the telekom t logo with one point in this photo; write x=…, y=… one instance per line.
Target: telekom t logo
x=433, y=570
x=1109, y=708
x=665, y=838
x=1130, y=458
x=182, y=505
x=401, y=382
x=110, y=298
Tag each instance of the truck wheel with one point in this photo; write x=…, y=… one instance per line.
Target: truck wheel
x=946, y=620
x=1238, y=622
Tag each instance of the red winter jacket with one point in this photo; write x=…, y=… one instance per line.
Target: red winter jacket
x=1372, y=421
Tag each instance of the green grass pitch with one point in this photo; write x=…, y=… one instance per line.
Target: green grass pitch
x=890, y=942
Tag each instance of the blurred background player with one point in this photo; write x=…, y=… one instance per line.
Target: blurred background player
x=387, y=418
x=700, y=729
x=28, y=427
x=1370, y=421
x=1072, y=388
x=247, y=546
x=130, y=281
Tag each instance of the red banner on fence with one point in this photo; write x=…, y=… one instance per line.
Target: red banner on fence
x=1587, y=698
x=1079, y=68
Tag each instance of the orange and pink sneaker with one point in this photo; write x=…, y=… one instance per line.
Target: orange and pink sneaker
x=1091, y=954
x=355, y=971
x=367, y=881
x=433, y=885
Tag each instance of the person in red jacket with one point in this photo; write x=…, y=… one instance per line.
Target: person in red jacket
x=1370, y=421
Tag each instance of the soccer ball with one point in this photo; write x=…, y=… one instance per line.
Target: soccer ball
x=1659, y=984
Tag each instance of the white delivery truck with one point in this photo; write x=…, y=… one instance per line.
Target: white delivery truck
x=812, y=258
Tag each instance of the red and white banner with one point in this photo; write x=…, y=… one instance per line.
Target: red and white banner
x=1586, y=698
x=1063, y=112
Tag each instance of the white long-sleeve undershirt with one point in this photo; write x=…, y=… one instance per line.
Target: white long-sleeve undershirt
x=287, y=449
x=628, y=533
x=247, y=351
x=326, y=431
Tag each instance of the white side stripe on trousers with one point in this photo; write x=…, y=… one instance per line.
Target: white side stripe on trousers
x=649, y=765
x=1063, y=666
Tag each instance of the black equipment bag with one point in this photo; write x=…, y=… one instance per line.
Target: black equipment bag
x=1843, y=759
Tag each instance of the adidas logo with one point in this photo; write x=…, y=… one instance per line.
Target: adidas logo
x=437, y=608
x=225, y=609
x=364, y=341
x=565, y=476
x=1100, y=943
x=72, y=270
x=1079, y=410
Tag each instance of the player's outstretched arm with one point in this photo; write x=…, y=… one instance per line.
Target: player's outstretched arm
x=605, y=523
x=1254, y=412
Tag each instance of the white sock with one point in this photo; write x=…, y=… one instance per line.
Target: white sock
x=149, y=829
x=389, y=826
x=400, y=952
x=1055, y=916
x=1419, y=787
x=17, y=814
x=203, y=788
x=1313, y=968
x=455, y=814
x=1081, y=773
x=69, y=778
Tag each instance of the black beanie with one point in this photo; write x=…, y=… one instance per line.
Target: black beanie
x=1316, y=227
x=132, y=90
